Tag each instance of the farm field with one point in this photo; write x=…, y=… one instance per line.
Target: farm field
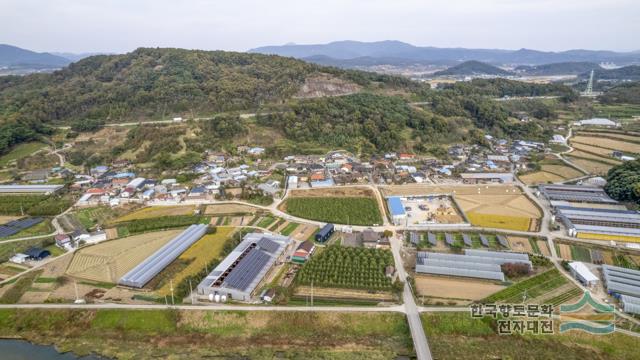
x=518, y=223
x=454, y=288
x=157, y=211
x=340, y=210
x=551, y=170
x=341, y=293
x=228, y=209
x=607, y=143
x=613, y=135
x=5, y=219
x=520, y=244
x=110, y=260
x=90, y=217
x=352, y=191
x=593, y=167
x=20, y=151
x=165, y=334
x=198, y=255
x=458, y=336
x=346, y=267
x=576, y=153
x=599, y=151
x=533, y=287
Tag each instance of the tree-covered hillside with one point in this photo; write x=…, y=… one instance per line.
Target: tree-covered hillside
x=623, y=182
x=626, y=93
x=472, y=68
x=153, y=83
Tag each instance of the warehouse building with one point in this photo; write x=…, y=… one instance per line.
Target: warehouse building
x=581, y=272
x=140, y=275
x=398, y=214
x=603, y=224
x=30, y=189
x=575, y=193
x=239, y=274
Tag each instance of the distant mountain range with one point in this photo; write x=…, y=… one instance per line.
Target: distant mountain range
x=344, y=51
x=563, y=68
x=15, y=57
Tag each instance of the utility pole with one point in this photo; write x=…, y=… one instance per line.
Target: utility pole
x=173, y=301
x=191, y=292
x=311, y=293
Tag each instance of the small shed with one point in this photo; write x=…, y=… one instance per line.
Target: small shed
x=325, y=233
x=37, y=253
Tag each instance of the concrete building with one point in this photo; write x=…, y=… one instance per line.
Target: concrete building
x=398, y=214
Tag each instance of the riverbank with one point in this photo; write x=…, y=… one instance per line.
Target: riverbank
x=174, y=334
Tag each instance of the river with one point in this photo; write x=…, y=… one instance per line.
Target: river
x=24, y=350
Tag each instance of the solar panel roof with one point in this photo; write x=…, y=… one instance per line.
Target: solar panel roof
x=247, y=270
x=268, y=245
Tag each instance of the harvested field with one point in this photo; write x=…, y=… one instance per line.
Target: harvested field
x=520, y=244
x=227, y=209
x=540, y=177
x=565, y=251
x=544, y=247
x=590, y=156
x=6, y=219
x=198, y=255
x=607, y=143
x=564, y=171
x=593, y=167
x=336, y=293
x=615, y=136
x=455, y=288
x=110, y=260
x=606, y=153
x=157, y=211
x=303, y=231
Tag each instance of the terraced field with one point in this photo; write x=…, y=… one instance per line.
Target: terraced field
x=110, y=260
x=533, y=287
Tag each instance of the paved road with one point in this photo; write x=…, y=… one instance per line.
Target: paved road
x=420, y=343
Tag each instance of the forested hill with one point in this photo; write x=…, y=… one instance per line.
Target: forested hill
x=154, y=83
x=472, y=68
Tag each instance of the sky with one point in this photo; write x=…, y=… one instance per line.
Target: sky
x=122, y=25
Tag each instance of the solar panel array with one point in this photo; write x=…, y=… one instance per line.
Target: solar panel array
x=15, y=226
x=151, y=266
x=621, y=280
x=268, y=245
x=247, y=269
x=483, y=240
x=503, y=241
x=414, y=238
x=448, y=238
x=431, y=237
x=466, y=239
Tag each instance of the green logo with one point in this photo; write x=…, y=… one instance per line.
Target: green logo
x=595, y=318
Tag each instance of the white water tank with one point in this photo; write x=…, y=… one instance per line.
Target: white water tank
x=223, y=298
x=217, y=297
x=211, y=297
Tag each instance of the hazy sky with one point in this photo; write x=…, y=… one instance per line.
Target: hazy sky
x=123, y=25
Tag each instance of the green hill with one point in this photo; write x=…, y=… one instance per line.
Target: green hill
x=472, y=68
x=161, y=83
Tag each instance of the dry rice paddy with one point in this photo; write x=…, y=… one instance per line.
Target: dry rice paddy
x=455, y=288
x=593, y=167
x=199, y=254
x=110, y=260
x=157, y=211
x=520, y=244
x=226, y=209
x=607, y=143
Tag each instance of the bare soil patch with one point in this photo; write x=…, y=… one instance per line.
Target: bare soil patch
x=520, y=244
x=565, y=251
x=223, y=209
x=333, y=192
x=455, y=288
